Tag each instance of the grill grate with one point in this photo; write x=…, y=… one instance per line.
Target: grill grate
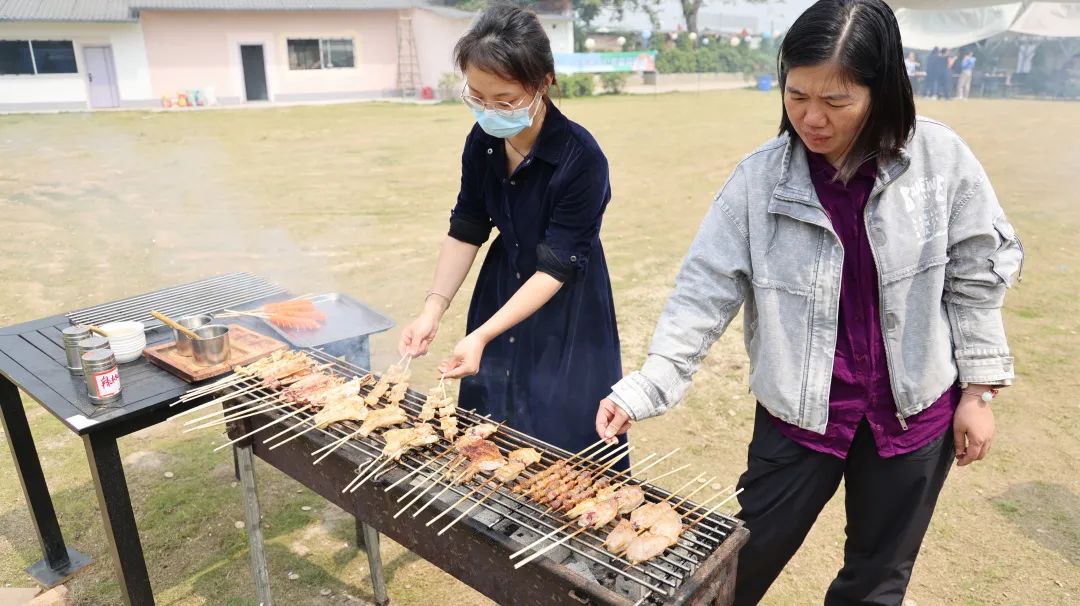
x=654, y=579
x=205, y=296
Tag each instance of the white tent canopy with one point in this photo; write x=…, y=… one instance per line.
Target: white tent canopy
x=925, y=24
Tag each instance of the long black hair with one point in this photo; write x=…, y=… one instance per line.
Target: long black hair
x=509, y=41
x=862, y=38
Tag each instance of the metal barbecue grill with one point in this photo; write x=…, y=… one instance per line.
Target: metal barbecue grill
x=698, y=569
x=204, y=296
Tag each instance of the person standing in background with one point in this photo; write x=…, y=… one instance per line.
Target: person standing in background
x=967, y=70
x=933, y=65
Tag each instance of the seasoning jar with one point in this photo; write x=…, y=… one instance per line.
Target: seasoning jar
x=90, y=344
x=102, y=376
x=72, y=336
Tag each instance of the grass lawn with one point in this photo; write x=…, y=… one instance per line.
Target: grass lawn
x=355, y=198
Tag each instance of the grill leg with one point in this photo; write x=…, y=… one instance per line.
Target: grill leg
x=119, y=521
x=60, y=562
x=378, y=579
x=360, y=542
x=253, y=517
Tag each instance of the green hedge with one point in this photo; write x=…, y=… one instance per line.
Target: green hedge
x=716, y=58
x=576, y=85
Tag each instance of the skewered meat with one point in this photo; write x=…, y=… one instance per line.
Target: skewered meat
x=629, y=498
x=276, y=363
x=599, y=515
x=399, y=441
x=551, y=470
x=397, y=374
x=347, y=390
x=647, y=546
x=397, y=393
x=434, y=401
x=448, y=410
x=483, y=456
x=304, y=390
x=378, y=391
x=525, y=456
x=582, y=507
x=277, y=366
x=341, y=409
x=645, y=516
x=382, y=417
x=620, y=538
x=479, y=449
x=668, y=524
x=483, y=430
x=448, y=426
x=508, y=472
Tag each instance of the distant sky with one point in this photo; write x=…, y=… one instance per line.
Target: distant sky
x=781, y=14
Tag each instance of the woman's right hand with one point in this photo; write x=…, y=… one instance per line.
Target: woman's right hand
x=417, y=336
x=611, y=421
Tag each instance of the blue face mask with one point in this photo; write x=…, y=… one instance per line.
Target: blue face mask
x=505, y=126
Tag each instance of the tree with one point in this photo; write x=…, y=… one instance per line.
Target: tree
x=690, y=10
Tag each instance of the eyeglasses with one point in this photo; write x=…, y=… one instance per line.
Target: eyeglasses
x=503, y=108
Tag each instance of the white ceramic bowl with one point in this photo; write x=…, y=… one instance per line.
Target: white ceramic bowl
x=127, y=357
x=124, y=330
x=126, y=339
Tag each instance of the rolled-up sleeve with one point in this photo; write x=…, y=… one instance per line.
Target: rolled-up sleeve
x=575, y=221
x=985, y=257
x=470, y=221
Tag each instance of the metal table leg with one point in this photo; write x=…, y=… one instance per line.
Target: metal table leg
x=60, y=561
x=253, y=519
x=378, y=579
x=118, y=519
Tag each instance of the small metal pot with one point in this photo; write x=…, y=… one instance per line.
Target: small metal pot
x=183, y=342
x=212, y=346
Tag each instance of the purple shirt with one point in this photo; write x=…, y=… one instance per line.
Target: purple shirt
x=860, y=382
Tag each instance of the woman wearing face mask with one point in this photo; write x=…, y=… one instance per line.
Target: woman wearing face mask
x=872, y=257
x=542, y=345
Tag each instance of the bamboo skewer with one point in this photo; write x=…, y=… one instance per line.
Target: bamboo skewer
x=455, y=462
x=307, y=429
x=247, y=412
x=262, y=427
x=412, y=473
x=434, y=483
x=242, y=391
x=230, y=410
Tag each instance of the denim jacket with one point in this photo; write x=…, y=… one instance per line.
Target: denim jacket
x=944, y=252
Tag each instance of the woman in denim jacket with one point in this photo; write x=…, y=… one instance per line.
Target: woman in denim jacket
x=870, y=256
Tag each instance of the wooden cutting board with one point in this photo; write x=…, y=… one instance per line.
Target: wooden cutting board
x=245, y=345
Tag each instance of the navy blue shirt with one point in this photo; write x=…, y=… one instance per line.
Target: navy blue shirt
x=546, y=375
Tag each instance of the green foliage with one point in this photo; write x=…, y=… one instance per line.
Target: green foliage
x=717, y=57
x=614, y=82
x=576, y=85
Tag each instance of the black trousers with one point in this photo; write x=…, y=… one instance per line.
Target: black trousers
x=889, y=503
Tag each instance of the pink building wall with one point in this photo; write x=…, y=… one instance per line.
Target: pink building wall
x=187, y=50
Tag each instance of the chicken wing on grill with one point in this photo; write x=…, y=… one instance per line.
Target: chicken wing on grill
x=647, y=546
x=645, y=516
x=526, y=456
x=619, y=539
x=508, y=472
x=306, y=390
x=600, y=515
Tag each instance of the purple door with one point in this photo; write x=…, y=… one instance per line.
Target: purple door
x=101, y=76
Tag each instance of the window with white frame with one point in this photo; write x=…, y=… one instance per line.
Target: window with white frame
x=30, y=57
x=320, y=53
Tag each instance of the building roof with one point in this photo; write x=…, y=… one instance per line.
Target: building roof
x=65, y=10
x=128, y=10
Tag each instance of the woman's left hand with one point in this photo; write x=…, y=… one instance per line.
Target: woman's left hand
x=973, y=429
x=465, y=361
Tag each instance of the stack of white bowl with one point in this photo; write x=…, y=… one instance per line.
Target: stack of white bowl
x=126, y=339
